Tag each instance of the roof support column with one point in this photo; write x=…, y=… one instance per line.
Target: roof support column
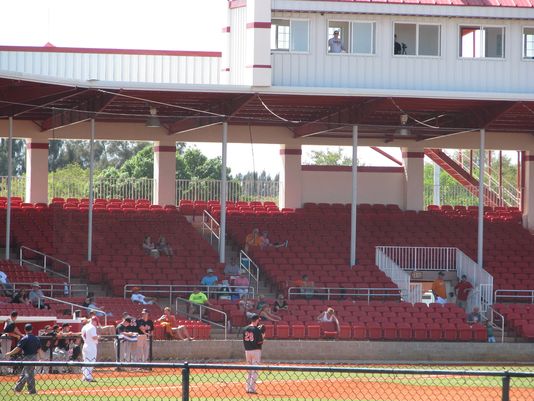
x=528, y=207
x=481, y=178
x=9, y=181
x=224, y=184
x=353, y=211
x=414, y=167
x=164, y=190
x=290, y=192
x=36, y=171
x=91, y=192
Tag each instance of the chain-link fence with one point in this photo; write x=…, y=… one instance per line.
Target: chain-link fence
x=182, y=381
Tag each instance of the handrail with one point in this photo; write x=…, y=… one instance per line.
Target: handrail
x=492, y=320
x=396, y=273
x=72, y=305
x=54, y=288
x=172, y=290
x=45, y=266
x=248, y=265
x=345, y=292
x=210, y=224
x=202, y=309
x=523, y=294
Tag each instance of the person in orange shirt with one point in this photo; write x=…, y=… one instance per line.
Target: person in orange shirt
x=253, y=239
x=439, y=289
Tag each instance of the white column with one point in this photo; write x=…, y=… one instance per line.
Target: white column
x=36, y=171
x=258, y=43
x=165, y=173
x=528, y=205
x=222, y=236
x=353, y=211
x=9, y=179
x=414, y=173
x=436, y=184
x=481, y=178
x=91, y=192
x=290, y=194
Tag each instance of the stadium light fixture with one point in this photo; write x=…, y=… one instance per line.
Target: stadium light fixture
x=153, y=120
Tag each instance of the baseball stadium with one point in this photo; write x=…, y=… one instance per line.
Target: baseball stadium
x=135, y=267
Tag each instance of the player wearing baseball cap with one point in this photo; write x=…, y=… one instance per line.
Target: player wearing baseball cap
x=253, y=341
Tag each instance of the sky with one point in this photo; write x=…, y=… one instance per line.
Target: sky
x=155, y=25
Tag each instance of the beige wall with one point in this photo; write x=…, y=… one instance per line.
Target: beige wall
x=334, y=186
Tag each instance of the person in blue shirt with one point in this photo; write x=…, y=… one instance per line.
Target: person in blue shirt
x=30, y=346
x=209, y=279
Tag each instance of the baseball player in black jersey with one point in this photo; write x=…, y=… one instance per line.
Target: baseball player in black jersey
x=253, y=340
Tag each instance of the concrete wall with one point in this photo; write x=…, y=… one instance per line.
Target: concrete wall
x=333, y=184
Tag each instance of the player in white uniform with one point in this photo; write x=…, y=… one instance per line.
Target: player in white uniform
x=90, y=342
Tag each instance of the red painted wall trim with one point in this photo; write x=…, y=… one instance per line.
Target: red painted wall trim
x=237, y=3
x=529, y=158
x=82, y=50
x=413, y=155
x=165, y=149
x=361, y=169
x=258, y=66
x=258, y=25
x=226, y=29
x=36, y=145
x=290, y=151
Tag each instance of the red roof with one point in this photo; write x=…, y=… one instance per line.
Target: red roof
x=469, y=3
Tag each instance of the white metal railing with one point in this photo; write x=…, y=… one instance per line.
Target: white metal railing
x=18, y=186
x=356, y=293
x=60, y=267
x=251, y=268
x=184, y=290
x=119, y=188
x=451, y=194
x=55, y=289
x=396, y=260
x=202, y=313
x=494, y=317
x=481, y=280
x=504, y=193
x=73, y=305
x=519, y=295
x=395, y=273
x=212, y=226
x=237, y=190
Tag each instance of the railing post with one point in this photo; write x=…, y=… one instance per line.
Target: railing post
x=185, y=382
x=506, y=387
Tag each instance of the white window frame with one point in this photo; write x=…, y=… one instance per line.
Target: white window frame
x=290, y=30
x=482, y=43
x=349, y=37
x=417, y=24
x=523, y=44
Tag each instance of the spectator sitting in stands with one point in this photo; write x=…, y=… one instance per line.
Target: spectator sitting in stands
x=475, y=316
x=261, y=301
x=242, y=282
x=149, y=248
x=209, y=279
x=20, y=297
x=89, y=303
x=439, y=289
x=328, y=316
x=266, y=314
x=280, y=304
x=252, y=240
x=248, y=307
x=306, y=286
x=168, y=322
x=198, y=299
x=265, y=242
x=140, y=298
x=163, y=247
x=224, y=291
x=36, y=297
x=233, y=267
x=6, y=286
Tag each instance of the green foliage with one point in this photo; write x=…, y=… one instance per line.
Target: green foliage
x=18, y=155
x=330, y=157
x=68, y=181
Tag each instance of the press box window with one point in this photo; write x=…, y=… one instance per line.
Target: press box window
x=528, y=42
x=417, y=40
x=356, y=37
x=290, y=35
x=481, y=42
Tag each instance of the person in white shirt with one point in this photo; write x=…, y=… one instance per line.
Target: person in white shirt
x=140, y=298
x=89, y=350
x=335, y=45
x=4, y=283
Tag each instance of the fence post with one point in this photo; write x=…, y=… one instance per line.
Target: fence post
x=185, y=382
x=506, y=387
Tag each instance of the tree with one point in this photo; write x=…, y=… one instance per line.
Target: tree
x=330, y=158
x=18, y=155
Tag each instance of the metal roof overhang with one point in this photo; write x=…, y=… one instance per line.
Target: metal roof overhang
x=318, y=112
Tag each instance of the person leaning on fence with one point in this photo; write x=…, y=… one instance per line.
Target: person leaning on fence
x=253, y=338
x=30, y=346
x=145, y=326
x=11, y=330
x=89, y=349
x=125, y=341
